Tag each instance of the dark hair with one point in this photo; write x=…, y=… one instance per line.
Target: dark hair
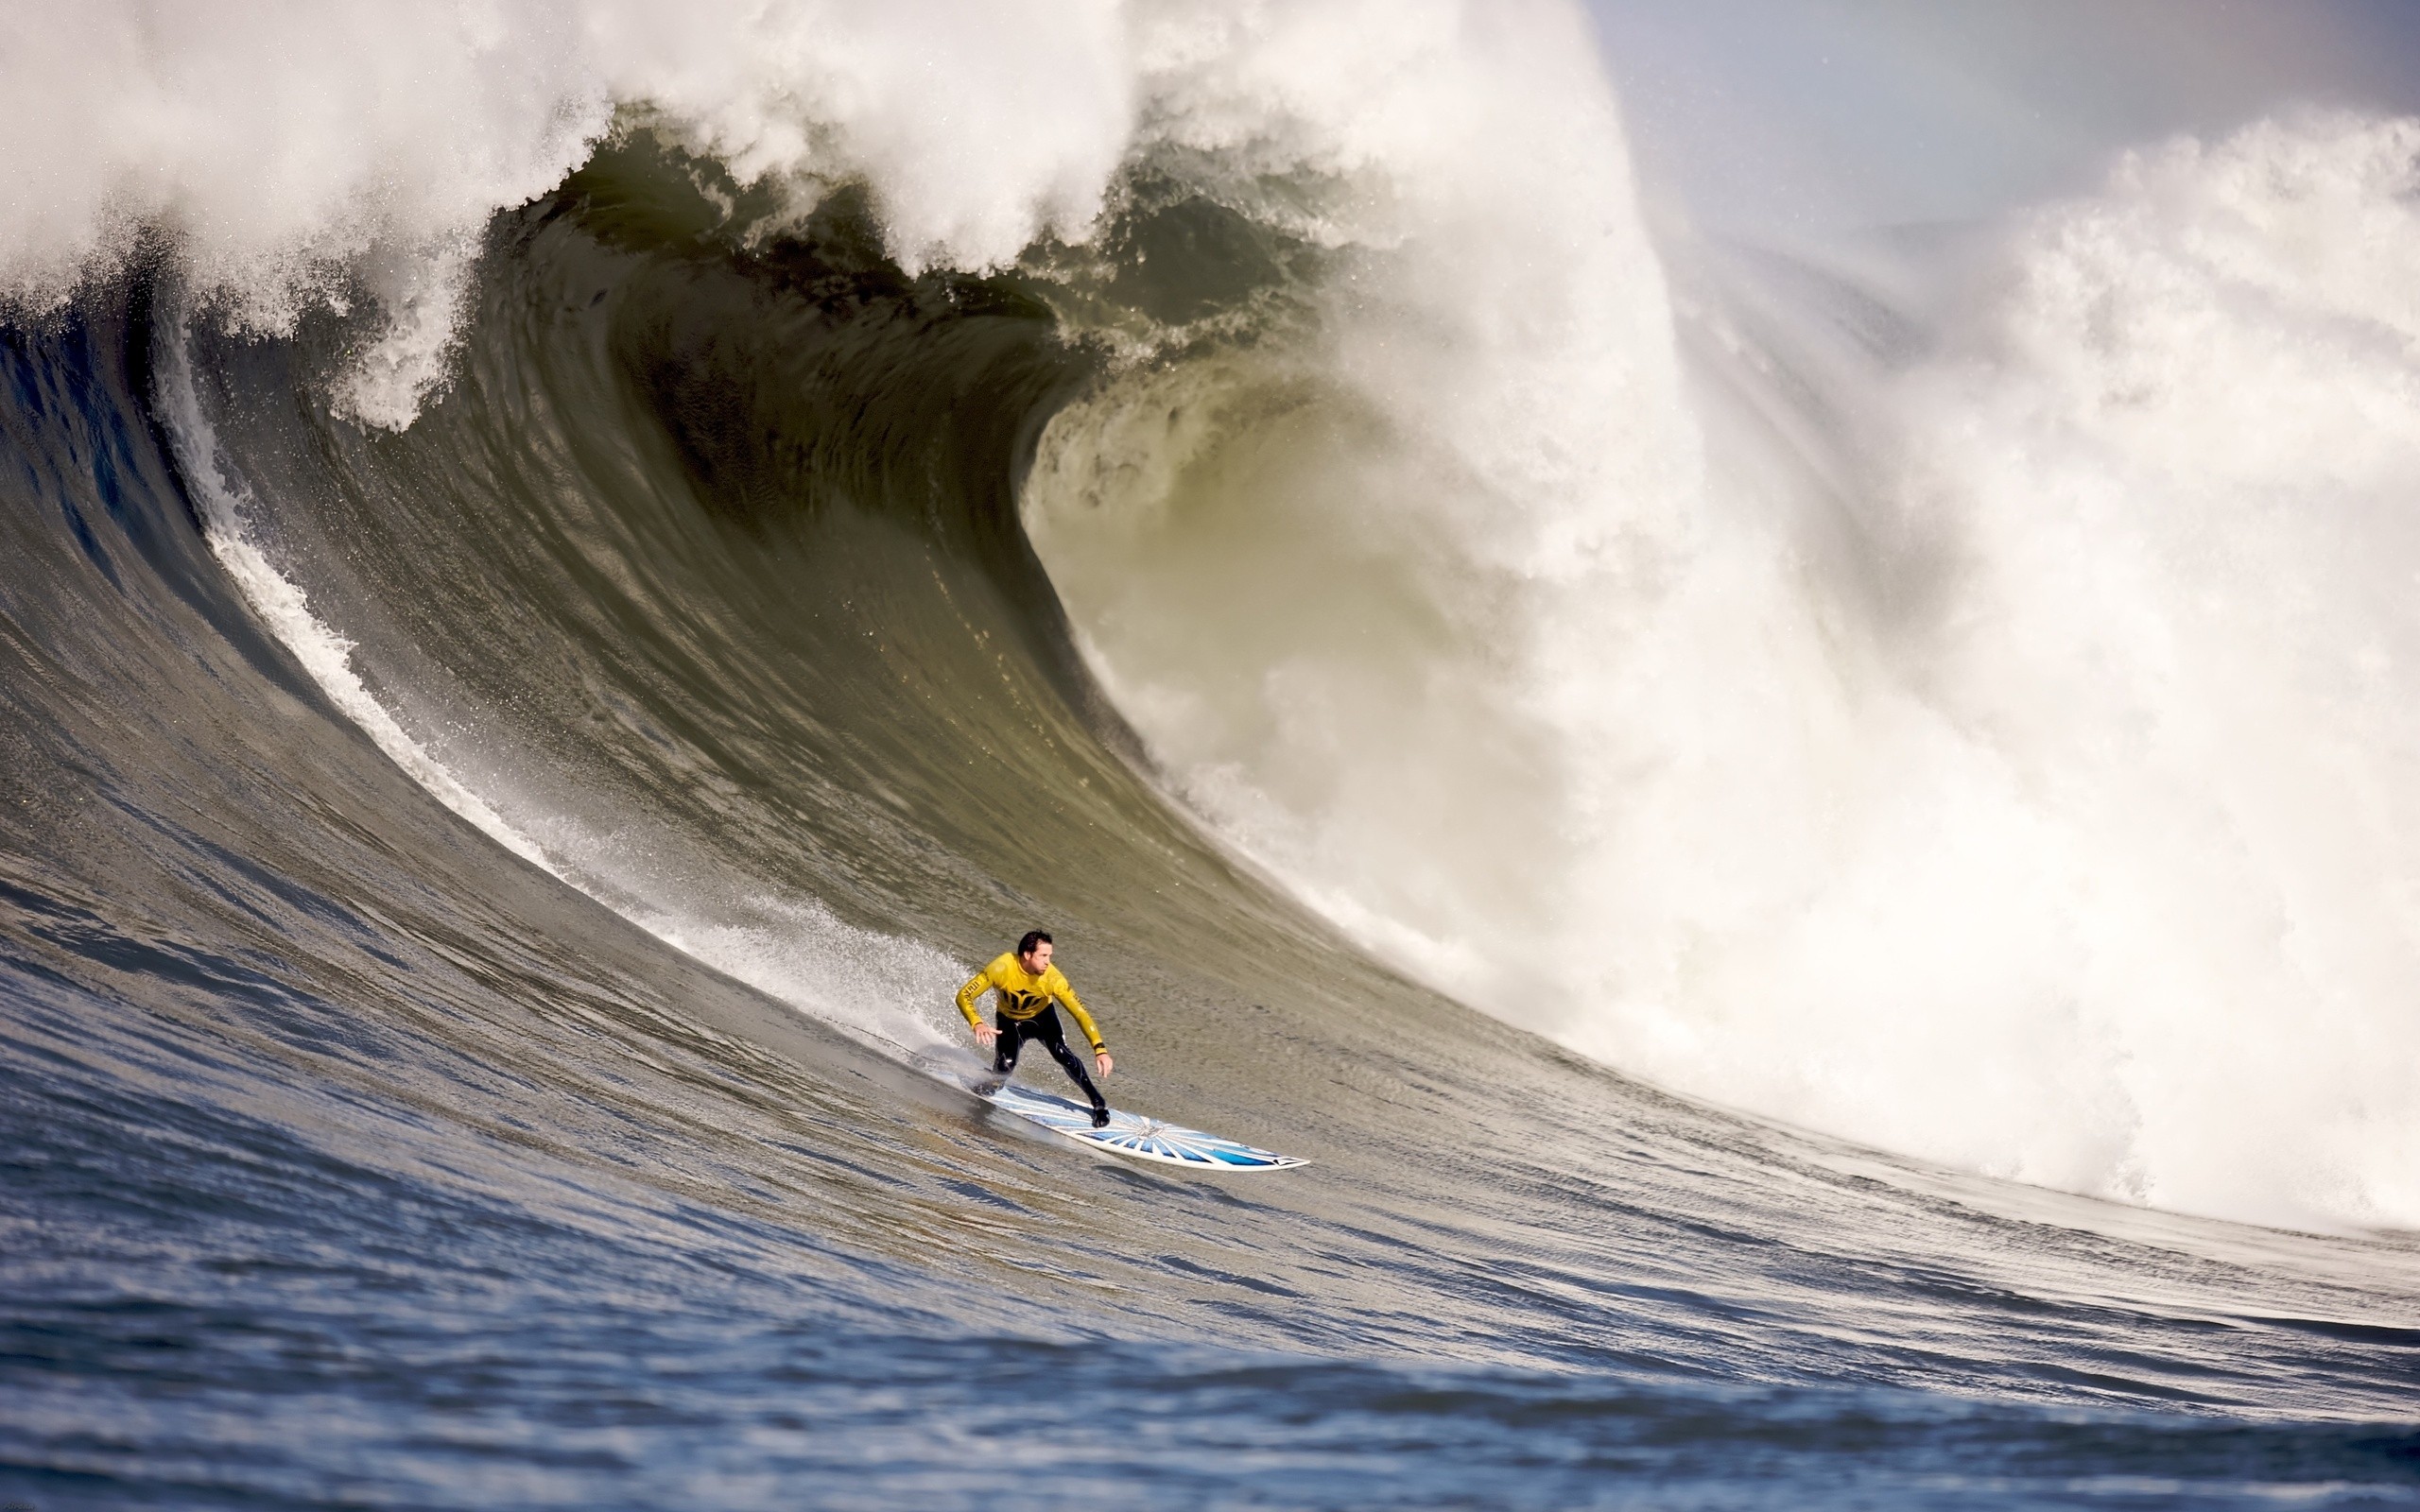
x=1032, y=938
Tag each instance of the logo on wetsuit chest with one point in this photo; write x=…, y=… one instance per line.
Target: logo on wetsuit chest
x=1025, y=1005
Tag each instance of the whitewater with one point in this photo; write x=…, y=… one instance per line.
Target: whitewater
x=1812, y=833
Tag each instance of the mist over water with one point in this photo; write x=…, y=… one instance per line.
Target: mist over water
x=1995, y=752
x=575, y=568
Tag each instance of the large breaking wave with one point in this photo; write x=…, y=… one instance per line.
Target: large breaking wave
x=1988, y=740
x=1988, y=748
x=1883, y=741
x=1243, y=484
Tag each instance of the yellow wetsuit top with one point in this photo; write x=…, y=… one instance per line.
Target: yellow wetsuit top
x=1023, y=994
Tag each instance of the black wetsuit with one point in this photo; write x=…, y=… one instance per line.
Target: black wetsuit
x=1044, y=1026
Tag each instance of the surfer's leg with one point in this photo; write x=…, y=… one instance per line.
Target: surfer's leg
x=1048, y=1029
x=1005, y=1048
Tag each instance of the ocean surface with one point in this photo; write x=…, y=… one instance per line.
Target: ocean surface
x=1817, y=844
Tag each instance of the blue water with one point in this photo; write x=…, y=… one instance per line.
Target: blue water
x=208, y=1309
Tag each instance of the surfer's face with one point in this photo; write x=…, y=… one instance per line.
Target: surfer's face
x=1036, y=960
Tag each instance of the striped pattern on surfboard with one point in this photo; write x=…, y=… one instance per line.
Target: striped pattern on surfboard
x=1145, y=1138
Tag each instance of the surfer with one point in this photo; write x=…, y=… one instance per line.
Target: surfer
x=1031, y=989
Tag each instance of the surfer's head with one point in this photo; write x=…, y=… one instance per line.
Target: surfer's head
x=1034, y=951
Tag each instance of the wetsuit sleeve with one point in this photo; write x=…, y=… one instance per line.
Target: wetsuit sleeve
x=1066, y=994
x=973, y=990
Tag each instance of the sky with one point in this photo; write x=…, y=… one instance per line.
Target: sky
x=1770, y=118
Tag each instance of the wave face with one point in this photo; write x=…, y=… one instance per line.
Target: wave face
x=542, y=638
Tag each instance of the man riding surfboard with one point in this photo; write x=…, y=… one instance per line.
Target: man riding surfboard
x=1031, y=989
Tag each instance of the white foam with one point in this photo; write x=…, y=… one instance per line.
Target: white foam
x=2068, y=832
x=306, y=155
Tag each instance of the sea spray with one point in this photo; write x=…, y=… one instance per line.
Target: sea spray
x=2050, y=819
x=301, y=159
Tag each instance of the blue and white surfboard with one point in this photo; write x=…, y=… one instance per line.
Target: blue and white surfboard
x=1145, y=1139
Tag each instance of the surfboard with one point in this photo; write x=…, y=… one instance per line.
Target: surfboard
x=1131, y=1134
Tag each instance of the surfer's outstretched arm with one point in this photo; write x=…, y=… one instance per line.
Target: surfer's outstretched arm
x=968, y=996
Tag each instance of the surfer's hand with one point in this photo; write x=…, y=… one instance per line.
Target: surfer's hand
x=985, y=1034
x=1102, y=1063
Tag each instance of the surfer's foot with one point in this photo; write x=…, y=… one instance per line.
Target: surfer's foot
x=1101, y=1118
x=986, y=1086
